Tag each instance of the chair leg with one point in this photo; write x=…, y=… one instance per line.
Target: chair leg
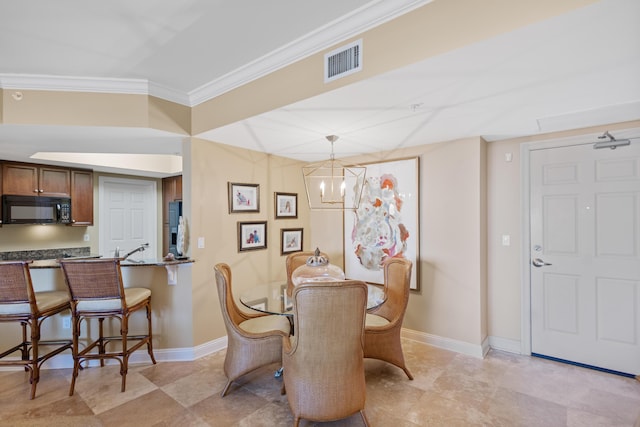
x=226, y=388
x=406, y=371
x=364, y=418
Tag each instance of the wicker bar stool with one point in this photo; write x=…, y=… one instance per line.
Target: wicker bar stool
x=19, y=303
x=97, y=292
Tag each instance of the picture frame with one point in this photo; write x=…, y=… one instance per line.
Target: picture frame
x=243, y=197
x=286, y=205
x=252, y=235
x=386, y=223
x=290, y=240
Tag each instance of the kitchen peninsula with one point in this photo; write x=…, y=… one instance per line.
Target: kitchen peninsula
x=169, y=282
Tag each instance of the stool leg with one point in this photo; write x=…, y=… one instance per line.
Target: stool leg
x=101, y=345
x=35, y=369
x=75, y=320
x=150, y=339
x=124, y=366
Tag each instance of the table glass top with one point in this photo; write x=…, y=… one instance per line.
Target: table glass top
x=272, y=298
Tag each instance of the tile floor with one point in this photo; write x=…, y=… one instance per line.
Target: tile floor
x=449, y=389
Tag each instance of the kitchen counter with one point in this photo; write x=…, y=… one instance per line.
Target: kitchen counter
x=53, y=263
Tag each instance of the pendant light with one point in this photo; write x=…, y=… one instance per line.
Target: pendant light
x=333, y=185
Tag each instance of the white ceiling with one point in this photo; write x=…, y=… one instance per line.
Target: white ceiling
x=575, y=70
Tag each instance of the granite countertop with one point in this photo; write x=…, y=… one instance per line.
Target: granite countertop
x=53, y=263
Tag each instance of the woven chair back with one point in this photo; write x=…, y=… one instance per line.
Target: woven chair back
x=93, y=279
x=15, y=282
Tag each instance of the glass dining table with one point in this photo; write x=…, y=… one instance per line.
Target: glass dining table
x=272, y=298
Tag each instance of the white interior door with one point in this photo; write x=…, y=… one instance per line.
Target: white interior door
x=585, y=236
x=128, y=216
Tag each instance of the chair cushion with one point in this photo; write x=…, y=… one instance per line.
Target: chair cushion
x=44, y=301
x=268, y=323
x=132, y=296
x=375, y=320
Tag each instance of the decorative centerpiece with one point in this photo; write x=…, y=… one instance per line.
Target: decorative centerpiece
x=317, y=269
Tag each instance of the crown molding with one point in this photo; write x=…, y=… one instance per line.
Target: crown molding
x=347, y=26
x=360, y=20
x=73, y=84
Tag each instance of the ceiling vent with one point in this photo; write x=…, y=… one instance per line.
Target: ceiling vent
x=343, y=61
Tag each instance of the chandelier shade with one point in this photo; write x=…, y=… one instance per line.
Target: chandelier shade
x=333, y=185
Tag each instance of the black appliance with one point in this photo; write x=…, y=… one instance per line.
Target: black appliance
x=175, y=212
x=35, y=210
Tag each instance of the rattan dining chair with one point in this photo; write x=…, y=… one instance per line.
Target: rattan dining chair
x=294, y=261
x=253, y=340
x=97, y=292
x=19, y=303
x=384, y=323
x=323, y=363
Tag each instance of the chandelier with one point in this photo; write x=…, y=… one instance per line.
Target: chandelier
x=332, y=184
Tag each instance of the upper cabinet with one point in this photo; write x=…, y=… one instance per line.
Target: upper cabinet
x=81, y=197
x=26, y=179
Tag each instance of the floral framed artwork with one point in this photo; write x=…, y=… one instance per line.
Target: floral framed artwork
x=386, y=223
x=286, y=205
x=244, y=197
x=290, y=240
x=252, y=235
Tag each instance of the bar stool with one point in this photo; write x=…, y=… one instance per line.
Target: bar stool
x=97, y=292
x=19, y=303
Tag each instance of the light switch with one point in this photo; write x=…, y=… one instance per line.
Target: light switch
x=508, y=157
x=200, y=242
x=506, y=240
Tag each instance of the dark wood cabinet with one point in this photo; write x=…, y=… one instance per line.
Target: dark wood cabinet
x=81, y=197
x=171, y=192
x=26, y=179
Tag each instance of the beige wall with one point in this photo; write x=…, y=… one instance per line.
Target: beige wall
x=205, y=195
x=450, y=302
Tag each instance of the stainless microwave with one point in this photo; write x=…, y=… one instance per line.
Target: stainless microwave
x=35, y=210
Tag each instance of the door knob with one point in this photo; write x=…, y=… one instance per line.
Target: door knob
x=537, y=262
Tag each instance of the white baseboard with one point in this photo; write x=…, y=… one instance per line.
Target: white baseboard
x=479, y=351
x=505, y=344
x=187, y=354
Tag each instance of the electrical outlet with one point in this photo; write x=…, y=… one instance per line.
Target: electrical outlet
x=87, y=237
x=66, y=322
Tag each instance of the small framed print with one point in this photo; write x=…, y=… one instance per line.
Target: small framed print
x=244, y=197
x=252, y=235
x=286, y=205
x=290, y=240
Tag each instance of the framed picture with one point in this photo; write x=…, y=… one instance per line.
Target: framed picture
x=286, y=205
x=244, y=197
x=386, y=224
x=290, y=240
x=252, y=235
